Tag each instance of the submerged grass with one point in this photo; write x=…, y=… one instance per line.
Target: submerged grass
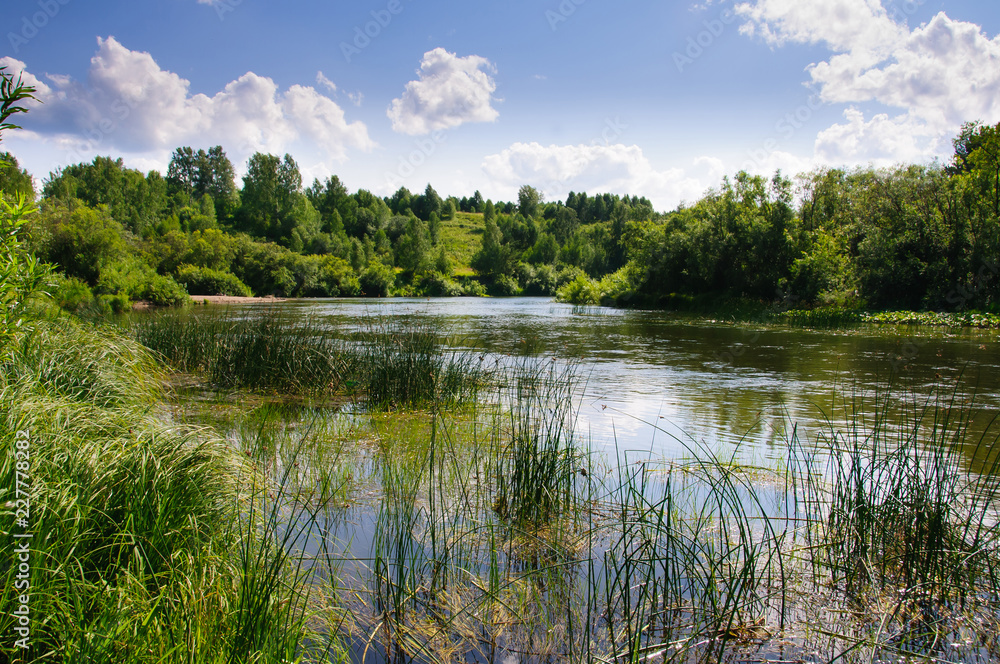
x=387, y=367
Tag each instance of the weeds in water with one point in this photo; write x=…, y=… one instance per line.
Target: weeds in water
x=905, y=527
x=534, y=457
x=493, y=534
x=389, y=368
x=405, y=368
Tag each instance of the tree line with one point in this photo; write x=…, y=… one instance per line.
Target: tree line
x=912, y=236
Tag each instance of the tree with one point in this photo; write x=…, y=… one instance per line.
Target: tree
x=413, y=249
x=493, y=258
x=977, y=155
x=182, y=171
x=401, y=201
x=427, y=204
x=20, y=275
x=271, y=192
x=135, y=201
x=528, y=199
x=14, y=180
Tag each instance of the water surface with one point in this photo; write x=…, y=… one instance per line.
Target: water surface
x=653, y=382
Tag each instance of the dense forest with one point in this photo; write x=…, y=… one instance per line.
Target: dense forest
x=908, y=237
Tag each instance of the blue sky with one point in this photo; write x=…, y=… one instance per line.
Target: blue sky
x=660, y=99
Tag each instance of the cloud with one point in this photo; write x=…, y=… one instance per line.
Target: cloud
x=129, y=103
x=321, y=79
x=939, y=74
x=558, y=169
x=450, y=92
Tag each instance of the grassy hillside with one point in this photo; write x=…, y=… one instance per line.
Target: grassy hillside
x=461, y=238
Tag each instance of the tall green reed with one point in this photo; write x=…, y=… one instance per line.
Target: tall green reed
x=134, y=556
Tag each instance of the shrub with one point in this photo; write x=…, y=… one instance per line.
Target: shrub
x=377, y=280
x=505, y=285
x=581, y=290
x=206, y=281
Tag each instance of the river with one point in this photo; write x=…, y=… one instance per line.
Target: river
x=653, y=382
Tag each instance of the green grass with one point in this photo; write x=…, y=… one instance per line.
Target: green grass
x=461, y=238
x=148, y=540
x=386, y=367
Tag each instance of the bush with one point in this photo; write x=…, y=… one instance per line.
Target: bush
x=132, y=279
x=436, y=284
x=206, y=281
x=471, y=287
x=505, y=285
x=377, y=280
x=71, y=294
x=581, y=290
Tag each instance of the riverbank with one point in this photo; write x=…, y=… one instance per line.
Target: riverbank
x=235, y=299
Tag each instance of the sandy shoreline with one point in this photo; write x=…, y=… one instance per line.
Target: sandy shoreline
x=235, y=299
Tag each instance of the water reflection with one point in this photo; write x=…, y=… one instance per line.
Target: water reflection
x=651, y=381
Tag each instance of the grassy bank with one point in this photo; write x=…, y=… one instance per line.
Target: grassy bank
x=149, y=541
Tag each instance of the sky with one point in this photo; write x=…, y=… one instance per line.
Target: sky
x=656, y=99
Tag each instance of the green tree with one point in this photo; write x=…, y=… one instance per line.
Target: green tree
x=136, y=201
x=14, y=180
x=493, y=259
x=271, y=196
x=528, y=199
x=413, y=249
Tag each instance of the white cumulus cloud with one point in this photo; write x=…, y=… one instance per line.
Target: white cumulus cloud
x=128, y=103
x=939, y=74
x=450, y=91
x=555, y=170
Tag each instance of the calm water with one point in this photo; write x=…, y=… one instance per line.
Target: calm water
x=649, y=381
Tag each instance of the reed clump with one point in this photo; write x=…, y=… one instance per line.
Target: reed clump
x=903, y=526
x=386, y=367
x=134, y=555
x=534, y=457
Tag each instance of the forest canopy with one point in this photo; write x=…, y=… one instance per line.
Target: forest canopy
x=907, y=237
